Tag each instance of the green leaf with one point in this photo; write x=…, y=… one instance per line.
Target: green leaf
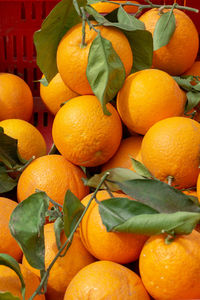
x=72, y=210
x=53, y=213
x=8, y=296
x=140, y=168
x=105, y=71
x=164, y=30
x=193, y=99
x=150, y=224
x=158, y=195
x=115, y=175
x=6, y=182
x=129, y=20
x=58, y=228
x=27, y=227
x=115, y=211
x=141, y=43
x=10, y=262
x=46, y=40
x=43, y=81
x=8, y=151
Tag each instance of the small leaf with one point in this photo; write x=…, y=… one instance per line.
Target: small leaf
x=105, y=71
x=158, y=195
x=43, y=81
x=164, y=30
x=10, y=262
x=193, y=99
x=6, y=182
x=115, y=211
x=27, y=227
x=8, y=296
x=62, y=17
x=127, y=19
x=140, y=168
x=184, y=82
x=115, y=175
x=72, y=210
x=58, y=228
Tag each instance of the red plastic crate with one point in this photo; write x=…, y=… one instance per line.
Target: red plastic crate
x=18, y=21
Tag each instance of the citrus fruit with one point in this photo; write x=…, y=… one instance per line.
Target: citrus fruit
x=55, y=94
x=83, y=134
x=66, y=267
x=147, y=97
x=194, y=69
x=113, y=246
x=72, y=58
x=171, y=271
x=171, y=147
x=181, y=51
x=10, y=282
x=106, y=7
x=30, y=140
x=106, y=280
x=54, y=175
x=128, y=148
x=16, y=99
x=8, y=243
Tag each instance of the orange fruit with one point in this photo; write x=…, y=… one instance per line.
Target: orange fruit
x=83, y=134
x=54, y=175
x=55, y=94
x=128, y=148
x=194, y=69
x=198, y=187
x=171, y=271
x=171, y=147
x=106, y=7
x=10, y=282
x=113, y=246
x=106, y=280
x=66, y=267
x=30, y=140
x=147, y=97
x=72, y=58
x=16, y=99
x=8, y=244
x=190, y=193
x=181, y=51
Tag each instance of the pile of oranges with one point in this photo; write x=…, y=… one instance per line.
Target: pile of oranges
x=146, y=122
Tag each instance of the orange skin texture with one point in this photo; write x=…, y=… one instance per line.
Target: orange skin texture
x=106, y=7
x=66, y=267
x=147, y=97
x=16, y=99
x=72, y=58
x=83, y=134
x=10, y=282
x=106, y=280
x=171, y=147
x=181, y=51
x=30, y=140
x=128, y=148
x=8, y=244
x=55, y=94
x=54, y=175
x=113, y=246
x=171, y=271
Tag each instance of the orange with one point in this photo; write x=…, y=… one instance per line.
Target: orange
x=83, y=134
x=30, y=140
x=54, y=175
x=106, y=280
x=106, y=7
x=181, y=51
x=55, y=94
x=171, y=147
x=8, y=244
x=128, y=148
x=194, y=69
x=16, y=99
x=66, y=267
x=72, y=58
x=171, y=271
x=147, y=97
x=198, y=187
x=113, y=246
x=10, y=282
